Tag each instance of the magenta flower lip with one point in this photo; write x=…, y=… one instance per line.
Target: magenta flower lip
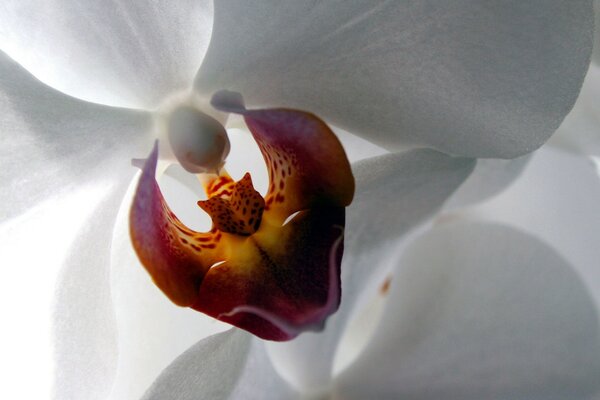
x=270, y=266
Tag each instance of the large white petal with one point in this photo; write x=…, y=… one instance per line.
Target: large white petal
x=51, y=143
x=33, y=249
x=61, y=160
x=474, y=78
x=481, y=311
x=84, y=328
x=557, y=199
x=115, y=52
x=395, y=193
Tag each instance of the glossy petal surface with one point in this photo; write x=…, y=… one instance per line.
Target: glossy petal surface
x=114, y=52
x=480, y=79
x=492, y=313
x=276, y=281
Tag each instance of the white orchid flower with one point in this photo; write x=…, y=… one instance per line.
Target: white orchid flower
x=475, y=308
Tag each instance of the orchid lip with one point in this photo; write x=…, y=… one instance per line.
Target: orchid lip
x=269, y=265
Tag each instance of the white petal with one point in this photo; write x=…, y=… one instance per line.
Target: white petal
x=556, y=199
x=33, y=249
x=60, y=159
x=208, y=370
x=395, y=193
x=356, y=147
x=483, y=79
x=120, y=53
x=52, y=143
x=490, y=177
x=596, y=55
x=481, y=311
x=152, y=331
x=580, y=131
x=85, y=334
x=259, y=380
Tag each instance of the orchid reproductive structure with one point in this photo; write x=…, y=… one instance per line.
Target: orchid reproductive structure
x=269, y=265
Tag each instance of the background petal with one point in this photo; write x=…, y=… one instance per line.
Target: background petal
x=394, y=194
x=483, y=79
x=120, y=53
x=556, y=199
x=481, y=311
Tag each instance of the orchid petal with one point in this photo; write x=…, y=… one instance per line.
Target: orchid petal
x=275, y=274
x=60, y=157
x=29, y=347
x=596, y=54
x=395, y=194
x=490, y=177
x=228, y=365
x=119, y=53
x=85, y=330
x=260, y=381
x=492, y=313
x=580, y=131
x=209, y=369
x=52, y=143
x=479, y=79
x=556, y=199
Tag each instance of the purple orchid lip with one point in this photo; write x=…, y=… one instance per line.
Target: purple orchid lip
x=257, y=268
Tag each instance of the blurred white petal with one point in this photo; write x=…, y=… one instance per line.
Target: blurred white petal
x=395, y=193
x=480, y=79
x=492, y=313
x=556, y=199
x=120, y=53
